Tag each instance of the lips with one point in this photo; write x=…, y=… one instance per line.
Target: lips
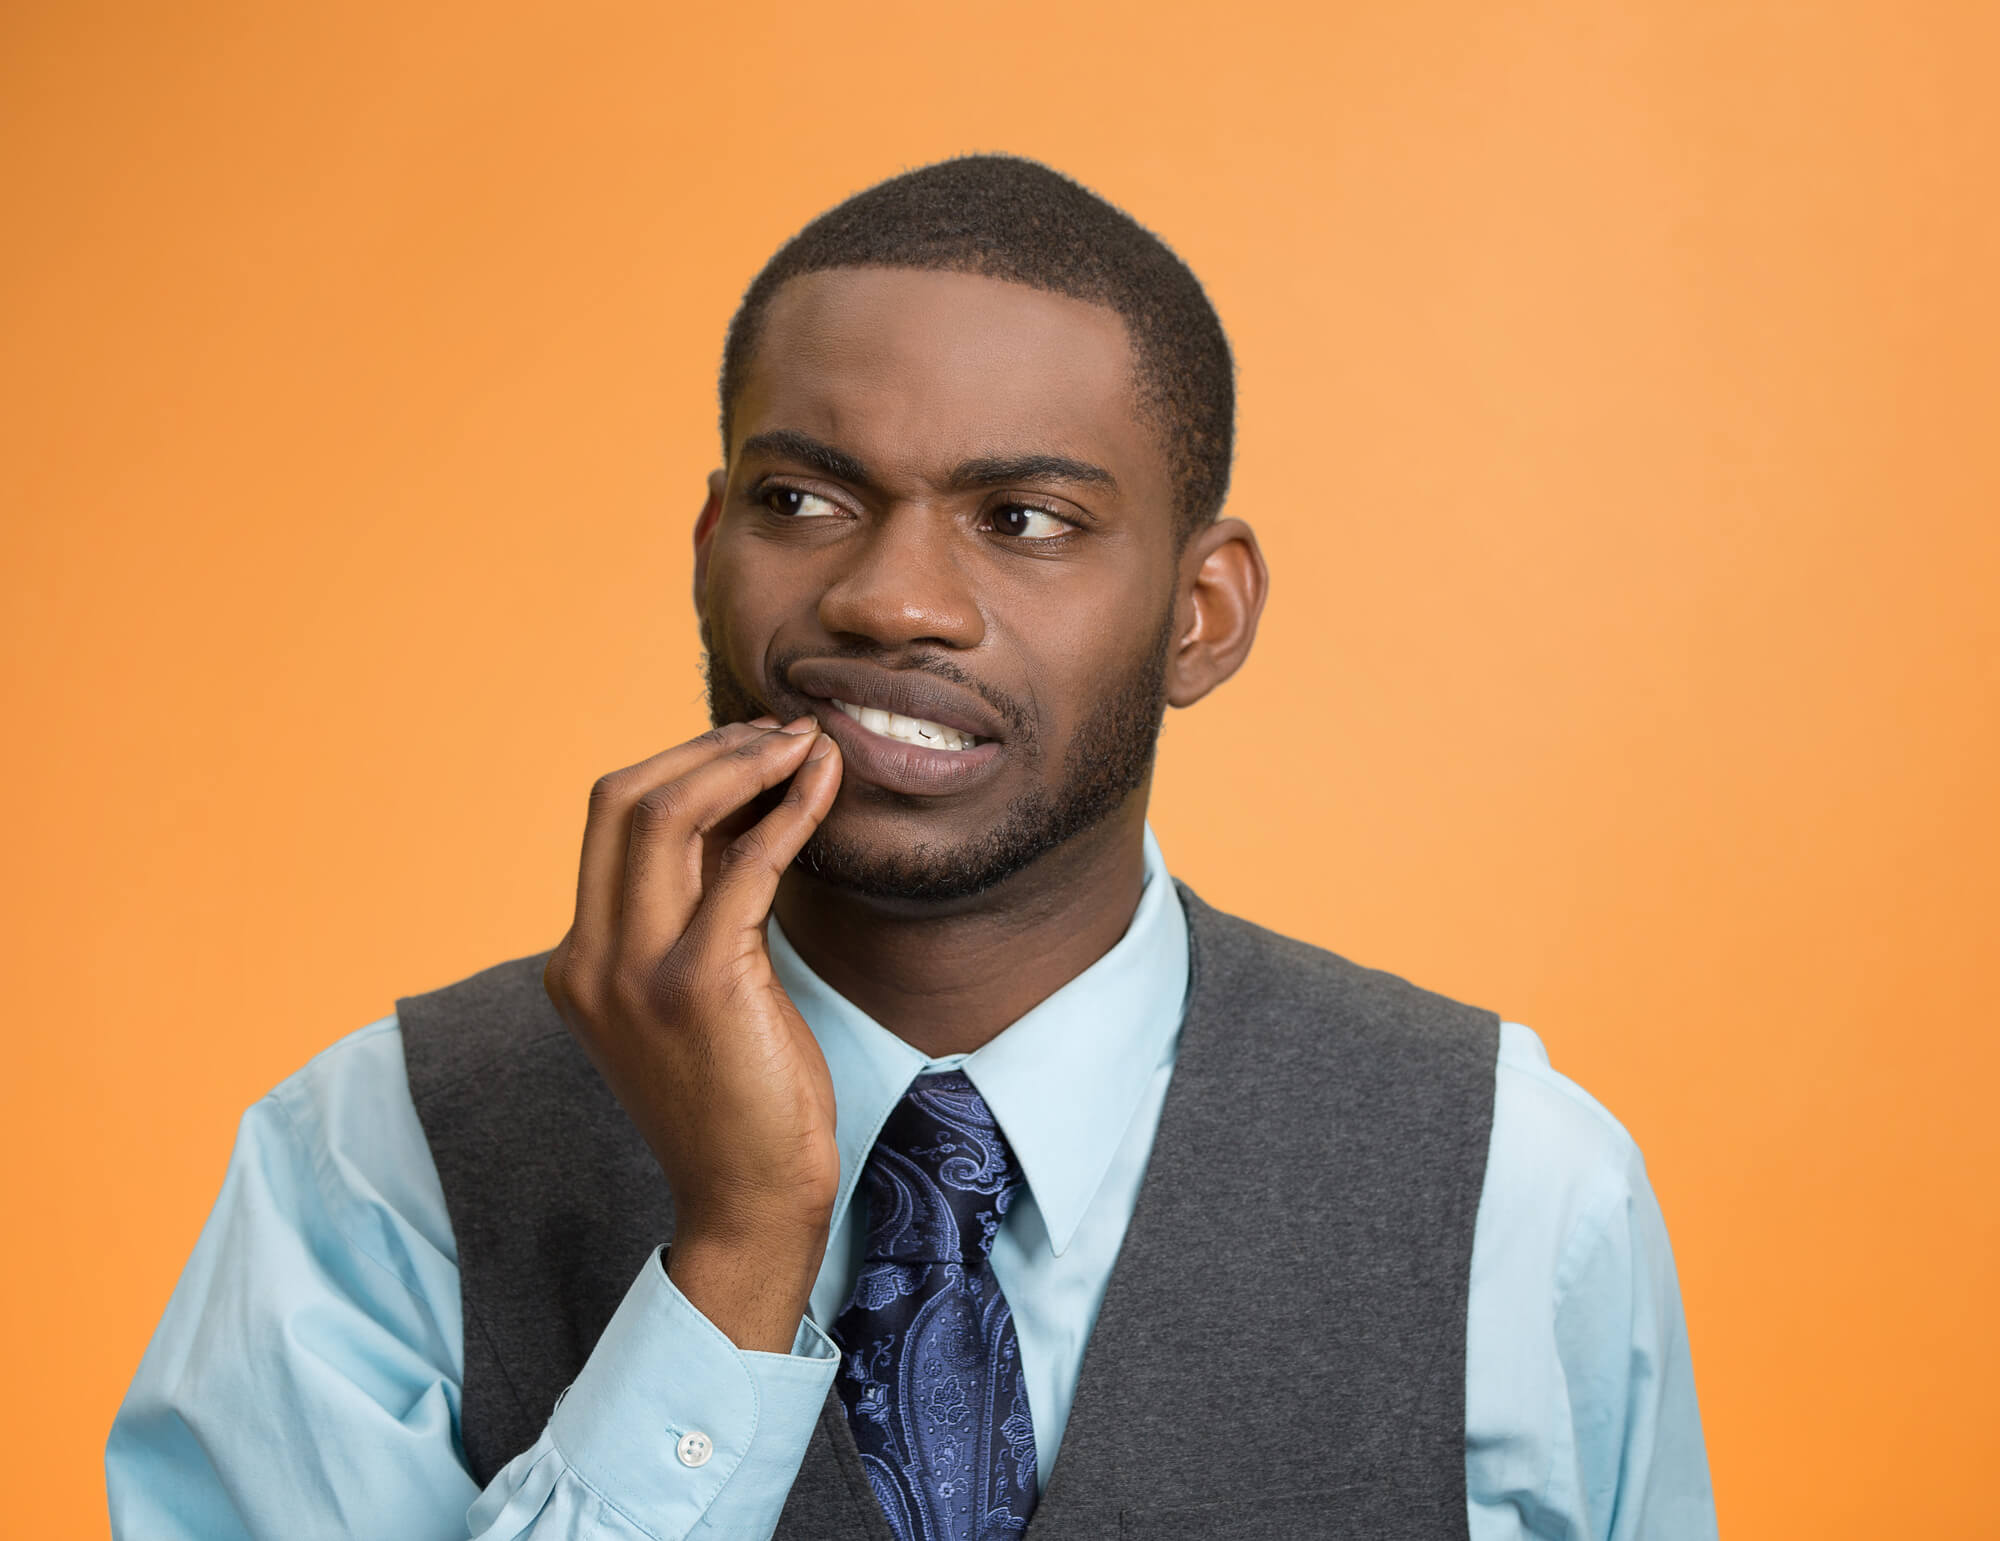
x=907, y=693
x=883, y=720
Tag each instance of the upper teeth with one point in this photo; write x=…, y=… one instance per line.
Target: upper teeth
x=908, y=730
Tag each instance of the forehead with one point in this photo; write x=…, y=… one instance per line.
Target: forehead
x=915, y=370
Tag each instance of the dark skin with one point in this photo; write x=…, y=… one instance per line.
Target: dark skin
x=928, y=472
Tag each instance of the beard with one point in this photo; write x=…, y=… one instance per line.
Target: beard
x=1109, y=759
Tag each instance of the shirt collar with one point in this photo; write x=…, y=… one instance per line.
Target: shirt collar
x=1063, y=1081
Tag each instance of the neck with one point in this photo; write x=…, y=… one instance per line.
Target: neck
x=947, y=980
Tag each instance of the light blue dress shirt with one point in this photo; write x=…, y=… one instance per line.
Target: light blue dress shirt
x=304, y=1381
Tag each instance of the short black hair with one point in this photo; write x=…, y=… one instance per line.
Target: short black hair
x=1007, y=217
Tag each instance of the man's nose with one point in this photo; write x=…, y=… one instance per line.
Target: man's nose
x=901, y=582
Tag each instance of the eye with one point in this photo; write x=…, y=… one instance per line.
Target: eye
x=1025, y=523
x=795, y=503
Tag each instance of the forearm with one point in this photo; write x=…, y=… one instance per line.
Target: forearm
x=305, y=1378
x=669, y=1431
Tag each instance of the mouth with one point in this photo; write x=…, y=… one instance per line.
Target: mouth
x=919, y=732
x=907, y=706
x=903, y=730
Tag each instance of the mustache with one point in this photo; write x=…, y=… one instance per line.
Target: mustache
x=940, y=665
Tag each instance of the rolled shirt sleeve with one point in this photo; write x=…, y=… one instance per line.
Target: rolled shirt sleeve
x=304, y=1380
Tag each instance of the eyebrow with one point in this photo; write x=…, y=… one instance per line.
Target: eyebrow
x=970, y=475
x=790, y=444
x=997, y=470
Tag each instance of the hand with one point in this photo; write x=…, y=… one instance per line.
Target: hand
x=666, y=982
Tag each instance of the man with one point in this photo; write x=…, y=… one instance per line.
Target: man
x=890, y=1148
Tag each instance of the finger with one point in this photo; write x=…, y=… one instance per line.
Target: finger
x=600, y=882
x=664, y=845
x=752, y=865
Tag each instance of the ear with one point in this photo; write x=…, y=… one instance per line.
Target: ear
x=1223, y=581
x=704, y=533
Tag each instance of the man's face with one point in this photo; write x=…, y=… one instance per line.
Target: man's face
x=940, y=503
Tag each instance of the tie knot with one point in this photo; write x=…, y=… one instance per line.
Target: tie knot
x=940, y=1176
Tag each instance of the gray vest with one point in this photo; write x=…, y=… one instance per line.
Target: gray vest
x=1281, y=1351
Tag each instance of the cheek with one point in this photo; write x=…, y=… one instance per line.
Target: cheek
x=744, y=606
x=1075, y=657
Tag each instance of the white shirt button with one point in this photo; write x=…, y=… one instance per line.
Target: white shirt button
x=695, y=1448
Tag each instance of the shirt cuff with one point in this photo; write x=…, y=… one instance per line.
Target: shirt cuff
x=669, y=1420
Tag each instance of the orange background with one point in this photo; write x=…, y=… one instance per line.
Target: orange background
x=1618, y=407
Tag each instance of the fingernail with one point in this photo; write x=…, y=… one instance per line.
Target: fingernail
x=767, y=721
x=803, y=725
x=820, y=750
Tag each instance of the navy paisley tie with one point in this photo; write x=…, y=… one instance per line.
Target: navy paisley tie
x=930, y=1368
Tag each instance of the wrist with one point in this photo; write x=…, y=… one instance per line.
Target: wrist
x=754, y=1290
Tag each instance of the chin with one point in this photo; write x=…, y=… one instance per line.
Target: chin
x=888, y=855
x=911, y=870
